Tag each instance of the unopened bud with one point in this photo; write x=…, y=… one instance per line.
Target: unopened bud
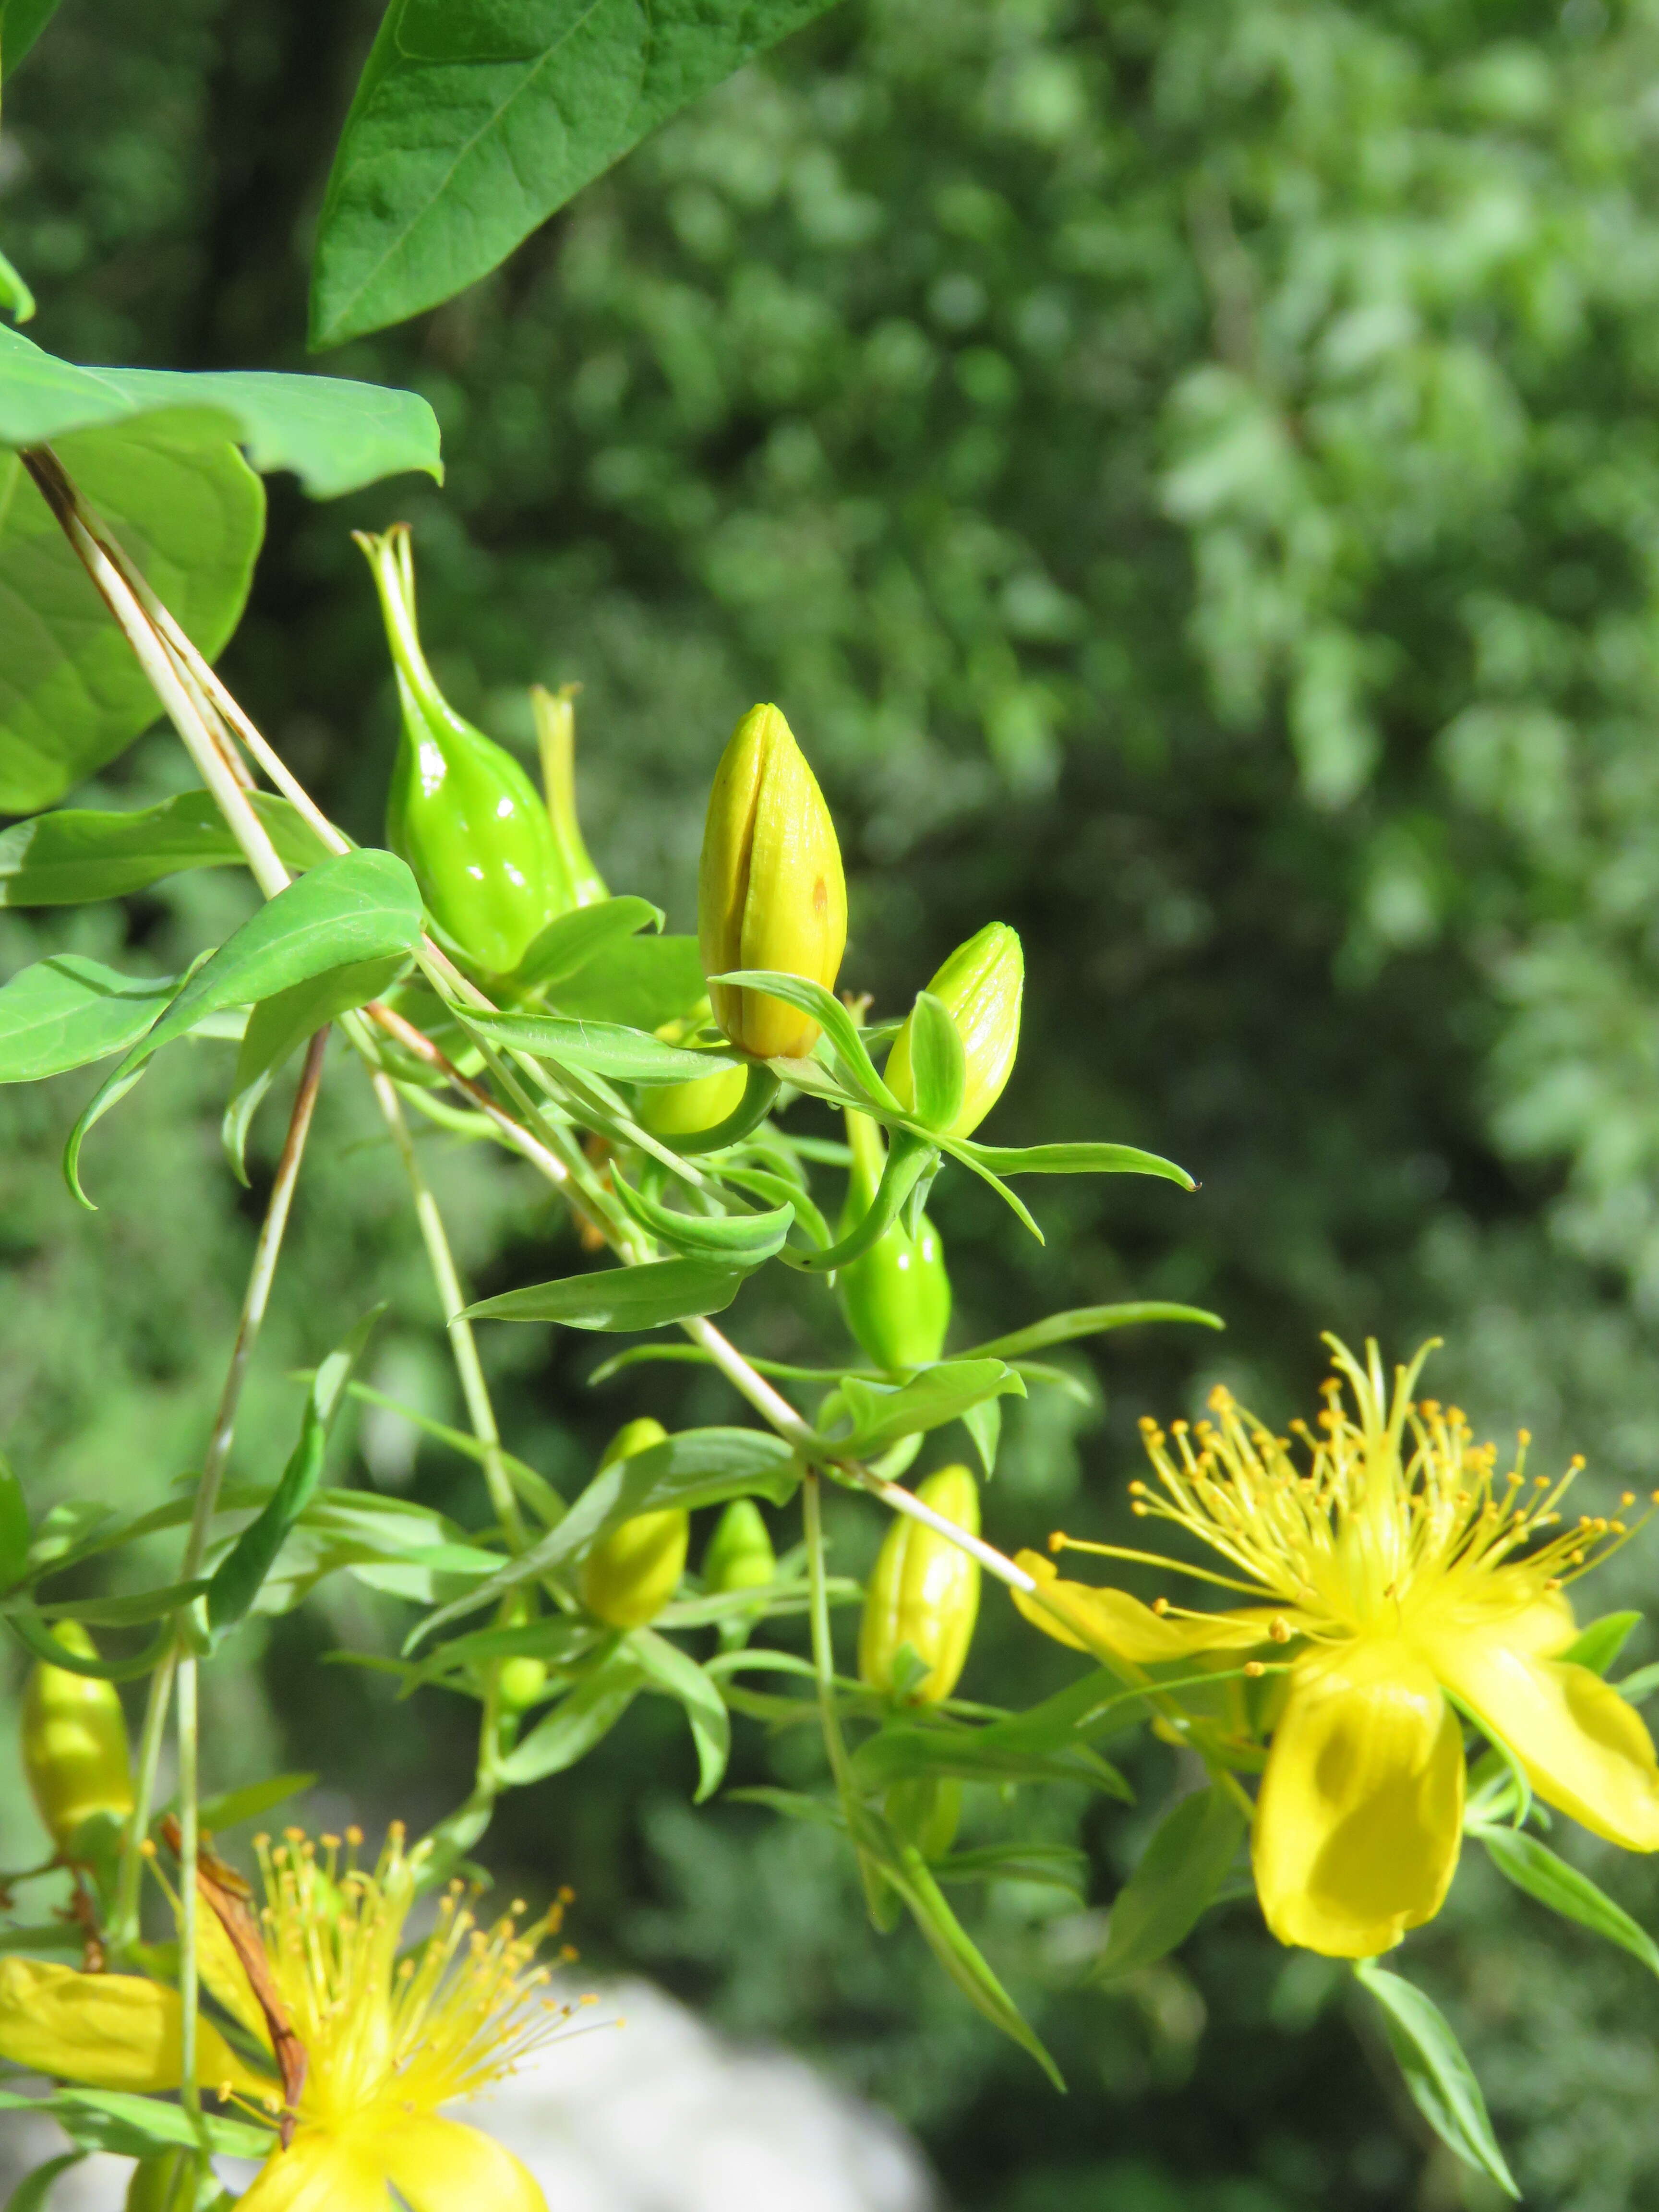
x=770, y=891
x=980, y=987
x=75, y=1742
x=924, y=1592
x=897, y=1299
x=686, y=1109
x=461, y=811
x=741, y=1555
x=520, y=1683
x=630, y=1575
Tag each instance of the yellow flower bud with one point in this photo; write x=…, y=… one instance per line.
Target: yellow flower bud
x=630, y=1575
x=924, y=1592
x=685, y=1109
x=520, y=1682
x=75, y=1743
x=980, y=987
x=770, y=891
x=740, y=1554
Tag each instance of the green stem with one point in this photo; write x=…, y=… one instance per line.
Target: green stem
x=189, y=1903
x=125, y=1931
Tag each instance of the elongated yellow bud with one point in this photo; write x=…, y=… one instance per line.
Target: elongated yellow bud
x=75, y=1743
x=924, y=1592
x=630, y=1575
x=980, y=987
x=770, y=891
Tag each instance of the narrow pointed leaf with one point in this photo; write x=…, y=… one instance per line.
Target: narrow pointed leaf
x=578, y=1722
x=937, y=1067
x=831, y=1017
x=670, y=1670
x=1439, y=2077
x=1182, y=1868
x=741, y=1239
x=572, y=941
x=648, y=1295
x=1072, y=1159
x=279, y=1025
x=1533, y=1866
x=1088, y=1321
x=607, y=1048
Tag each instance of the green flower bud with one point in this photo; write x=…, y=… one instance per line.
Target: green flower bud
x=770, y=891
x=555, y=737
x=896, y=1299
x=739, y=1556
x=685, y=1109
x=75, y=1742
x=924, y=1592
x=980, y=987
x=630, y=1575
x=460, y=810
x=520, y=1682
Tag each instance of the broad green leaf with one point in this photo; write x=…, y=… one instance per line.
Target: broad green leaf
x=76, y=854
x=1599, y=1646
x=607, y=1048
x=64, y=1012
x=1180, y=1870
x=356, y=907
x=472, y=124
x=579, y=1720
x=832, y=1017
x=937, y=1067
x=278, y=1026
x=1088, y=1321
x=649, y=1296
x=34, y=2191
x=644, y=981
x=698, y=1466
x=670, y=1670
x=1439, y=2077
x=14, y=1527
x=335, y=435
x=22, y=22
x=741, y=1239
x=881, y=1415
x=571, y=941
x=1071, y=1159
x=1534, y=1867
x=230, y=1809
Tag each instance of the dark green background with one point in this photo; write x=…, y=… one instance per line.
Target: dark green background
x=1189, y=475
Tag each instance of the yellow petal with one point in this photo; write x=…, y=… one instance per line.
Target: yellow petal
x=1585, y=1750
x=1112, y=1623
x=443, y=2165
x=107, y=2031
x=1361, y=1810
x=320, y=2171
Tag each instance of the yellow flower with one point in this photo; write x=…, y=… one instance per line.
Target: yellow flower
x=1390, y=1571
x=108, y=2030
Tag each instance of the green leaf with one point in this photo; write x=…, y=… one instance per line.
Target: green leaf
x=743, y=1240
x=1599, y=1644
x=34, y=2190
x=644, y=981
x=1637, y=1688
x=14, y=1527
x=279, y=1025
x=129, y=1610
x=1183, y=1865
x=1534, y=1867
x=649, y=1296
x=1088, y=1321
x=832, y=1017
x=904, y=1752
x=882, y=1414
x=939, y=1067
x=1439, y=2077
x=607, y=1048
x=22, y=22
x=983, y=1423
x=1057, y=1865
x=671, y=1671
x=233, y=1806
x=572, y=941
x=120, y=2121
x=578, y=1722
x=76, y=854
x=392, y=1544
x=698, y=1466
x=472, y=125
x=64, y=1012
x=1071, y=1159
x=356, y=907
x=15, y=298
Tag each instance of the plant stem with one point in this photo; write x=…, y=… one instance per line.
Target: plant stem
x=189, y=1903
x=823, y=1653
x=125, y=1933
x=462, y=1344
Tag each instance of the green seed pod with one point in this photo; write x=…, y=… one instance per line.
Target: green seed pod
x=770, y=891
x=924, y=1592
x=896, y=1299
x=630, y=1575
x=460, y=810
x=926, y=1813
x=75, y=1743
x=555, y=738
x=980, y=987
x=739, y=1556
x=685, y=1109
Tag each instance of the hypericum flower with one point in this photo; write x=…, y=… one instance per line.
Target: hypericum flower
x=1392, y=1571
x=391, y=2036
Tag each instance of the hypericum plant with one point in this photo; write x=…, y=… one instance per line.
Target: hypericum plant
x=1402, y=1607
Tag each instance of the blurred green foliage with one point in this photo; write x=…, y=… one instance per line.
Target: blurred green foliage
x=1188, y=474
